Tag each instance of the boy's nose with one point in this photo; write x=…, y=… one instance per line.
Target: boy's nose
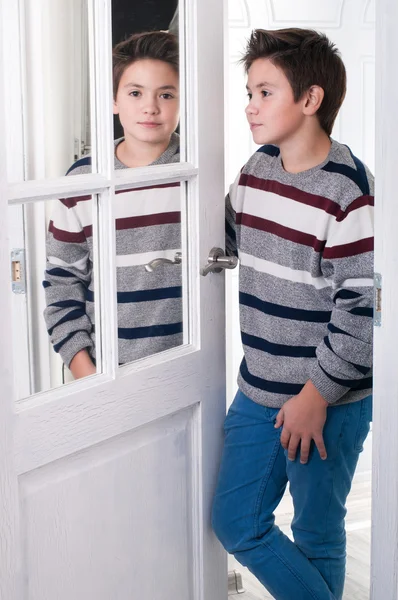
x=251, y=109
x=151, y=109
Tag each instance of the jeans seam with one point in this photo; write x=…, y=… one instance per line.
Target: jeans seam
x=288, y=566
x=332, y=488
x=262, y=489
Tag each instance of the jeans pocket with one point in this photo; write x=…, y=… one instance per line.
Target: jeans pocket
x=365, y=418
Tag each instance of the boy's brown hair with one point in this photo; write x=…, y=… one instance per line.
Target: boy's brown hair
x=155, y=45
x=307, y=58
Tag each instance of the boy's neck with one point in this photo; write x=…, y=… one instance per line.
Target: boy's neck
x=134, y=153
x=305, y=151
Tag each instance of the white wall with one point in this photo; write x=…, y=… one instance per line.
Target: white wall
x=351, y=26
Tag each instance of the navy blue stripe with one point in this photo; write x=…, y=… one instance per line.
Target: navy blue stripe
x=69, y=304
x=270, y=150
x=149, y=295
x=346, y=295
x=361, y=384
x=361, y=311
x=291, y=389
x=333, y=329
x=134, y=333
x=284, y=312
x=46, y=284
x=278, y=349
x=143, y=295
x=363, y=370
x=57, y=347
x=230, y=231
x=82, y=162
x=355, y=176
x=362, y=172
x=70, y=316
x=58, y=272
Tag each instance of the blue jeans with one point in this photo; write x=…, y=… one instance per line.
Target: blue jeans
x=253, y=476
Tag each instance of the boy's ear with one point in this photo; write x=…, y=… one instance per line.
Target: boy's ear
x=115, y=108
x=313, y=100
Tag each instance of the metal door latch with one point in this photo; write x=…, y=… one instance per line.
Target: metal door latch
x=18, y=271
x=218, y=261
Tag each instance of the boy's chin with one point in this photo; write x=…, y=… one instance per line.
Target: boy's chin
x=262, y=140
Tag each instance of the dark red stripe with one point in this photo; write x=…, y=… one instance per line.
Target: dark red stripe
x=148, y=220
x=88, y=231
x=358, y=203
x=71, y=202
x=288, y=191
x=150, y=187
x=77, y=237
x=283, y=232
x=347, y=250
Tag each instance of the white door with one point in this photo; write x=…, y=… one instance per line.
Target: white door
x=106, y=484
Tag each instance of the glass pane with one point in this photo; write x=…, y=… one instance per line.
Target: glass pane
x=52, y=290
x=54, y=119
x=150, y=263
x=146, y=83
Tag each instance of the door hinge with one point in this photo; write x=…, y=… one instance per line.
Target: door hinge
x=235, y=584
x=377, y=300
x=18, y=271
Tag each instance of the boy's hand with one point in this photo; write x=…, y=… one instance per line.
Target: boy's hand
x=303, y=418
x=81, y=365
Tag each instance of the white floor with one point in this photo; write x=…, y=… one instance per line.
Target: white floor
x=358, y=545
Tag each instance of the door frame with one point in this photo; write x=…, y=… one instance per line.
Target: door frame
x=384, y=563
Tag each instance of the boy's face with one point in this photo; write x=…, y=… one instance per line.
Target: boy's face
x=273, y=115
x=147, y=101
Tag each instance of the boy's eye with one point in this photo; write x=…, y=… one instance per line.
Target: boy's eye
x=135, y=93
x=265, y=93
x=250, y=96
x=167, y=96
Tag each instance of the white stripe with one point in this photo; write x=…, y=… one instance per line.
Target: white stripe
x=79, y=264
x=270, y=268
x=349, y=283
x=358, y=225
x=143, y=258
x=126, y=204
x=147, y=202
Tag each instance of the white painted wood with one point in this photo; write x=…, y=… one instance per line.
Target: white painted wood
x=15, y=172
x=116, y=472
x=61, y=187
x=384, y=574
x=9, y=520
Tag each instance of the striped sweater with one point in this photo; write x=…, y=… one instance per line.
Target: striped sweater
x=149, y=304
x=305, y=244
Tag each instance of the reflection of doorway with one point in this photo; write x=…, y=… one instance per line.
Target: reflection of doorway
x=351, y=26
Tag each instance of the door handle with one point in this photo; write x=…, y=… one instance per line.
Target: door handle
x=163, y=261
x=218, y=261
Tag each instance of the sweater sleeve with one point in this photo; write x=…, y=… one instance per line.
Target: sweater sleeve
x=67, y=276
x=231, y=244
x=345, y=354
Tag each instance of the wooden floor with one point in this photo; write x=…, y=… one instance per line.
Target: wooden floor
x=358, y=545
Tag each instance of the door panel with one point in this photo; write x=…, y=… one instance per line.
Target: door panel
x=115, y=473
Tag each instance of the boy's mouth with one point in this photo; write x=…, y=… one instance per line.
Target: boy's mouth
x=149, y=124
x=254, y=125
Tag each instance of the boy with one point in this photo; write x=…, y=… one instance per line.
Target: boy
x=300, y=216
x=146, y=88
